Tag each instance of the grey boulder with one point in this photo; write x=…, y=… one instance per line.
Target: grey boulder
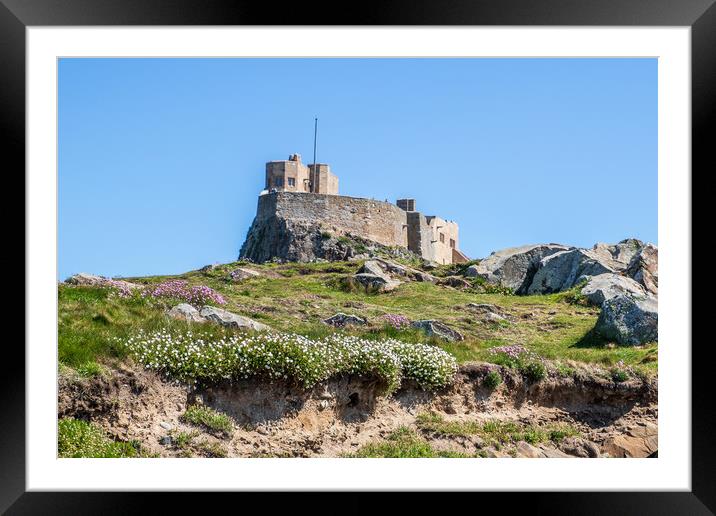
x=242, y=273
x=340, y=320
x=230, y=319
x=375, y=282
x=629, y=320
x=515, y=267
x=186, y=312
x=437, y=329
x=607, y=286
x=84, y=278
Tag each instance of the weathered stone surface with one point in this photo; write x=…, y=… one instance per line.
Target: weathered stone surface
x=226, y=318
x=424, y=277
x=515, y=267
x=629, y=320
x=565, y=269
x=375, y=282
x=438, y=329
x=243, y=273
x=638, y=442
x=340, y=320
x=579, y=447
x=644, y=268
x=472, y=271
x=455, y=282
x=186, y=312
x=617, y=256
x=84, y=278
x=371, y=267
x=607, y=286
x=526, y=450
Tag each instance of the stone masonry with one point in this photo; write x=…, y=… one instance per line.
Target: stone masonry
x=301, y=206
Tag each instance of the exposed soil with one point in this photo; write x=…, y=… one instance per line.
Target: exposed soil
x=339, y=416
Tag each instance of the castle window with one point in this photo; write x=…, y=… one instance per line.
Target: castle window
x=452, y=243
x=442, y=238
x=278, y=181
x=291, y=181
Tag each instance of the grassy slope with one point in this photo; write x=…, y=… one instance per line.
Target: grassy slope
x=296, y=297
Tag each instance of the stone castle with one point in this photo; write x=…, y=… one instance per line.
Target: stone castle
x=299, y=209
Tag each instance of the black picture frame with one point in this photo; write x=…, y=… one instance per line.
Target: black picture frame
x=699, y=15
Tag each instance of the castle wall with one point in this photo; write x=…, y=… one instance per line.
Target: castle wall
x=443, y=238
x=420, y=236
x=379, y=221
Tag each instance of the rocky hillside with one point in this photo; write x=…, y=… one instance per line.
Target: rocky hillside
x=539, y=351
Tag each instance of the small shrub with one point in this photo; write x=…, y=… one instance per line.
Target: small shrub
x=204, y=416
x=325, y=235
x=533, y=370
x=528, y=363
x=492, y=380
x=76, y=438
x=90, y=370
x=403, y=443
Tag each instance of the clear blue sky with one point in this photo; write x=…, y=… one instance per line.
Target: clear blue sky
x=161, y=160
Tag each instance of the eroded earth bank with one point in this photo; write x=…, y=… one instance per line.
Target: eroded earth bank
x=578, y=414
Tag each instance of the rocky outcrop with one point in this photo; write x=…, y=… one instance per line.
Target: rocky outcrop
x=515, y=267
x=437, y=329
x=230, y=319
x=563, y=270
x=644, y=268
x=629, y=320
x=604, y=287
x=341, y=320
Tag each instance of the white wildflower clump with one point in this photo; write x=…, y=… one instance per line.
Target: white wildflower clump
x=197, y=358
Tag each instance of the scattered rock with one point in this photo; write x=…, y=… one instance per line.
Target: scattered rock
x=242, y=273
x=340, y=320
x=375, y=282
x=455, y=282
x=607, y=286
x=166, y=440
x=579, y=447
x=438, y=329
x=515, y=267
x=371, y=267
x=208, y=268
x=629, y=320
x=525, y=449
x=166, y=426
x=226, y=318
x=644, y=268
x=186, y=312
x=93, y=280
x=640, y=442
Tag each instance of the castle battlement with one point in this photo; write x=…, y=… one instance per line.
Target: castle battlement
x=301, y=201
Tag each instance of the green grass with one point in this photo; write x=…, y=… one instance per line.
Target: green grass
x=496, y=432
x=78, y=438
x=208, y=418
x=404, y=443
x=297, y=297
